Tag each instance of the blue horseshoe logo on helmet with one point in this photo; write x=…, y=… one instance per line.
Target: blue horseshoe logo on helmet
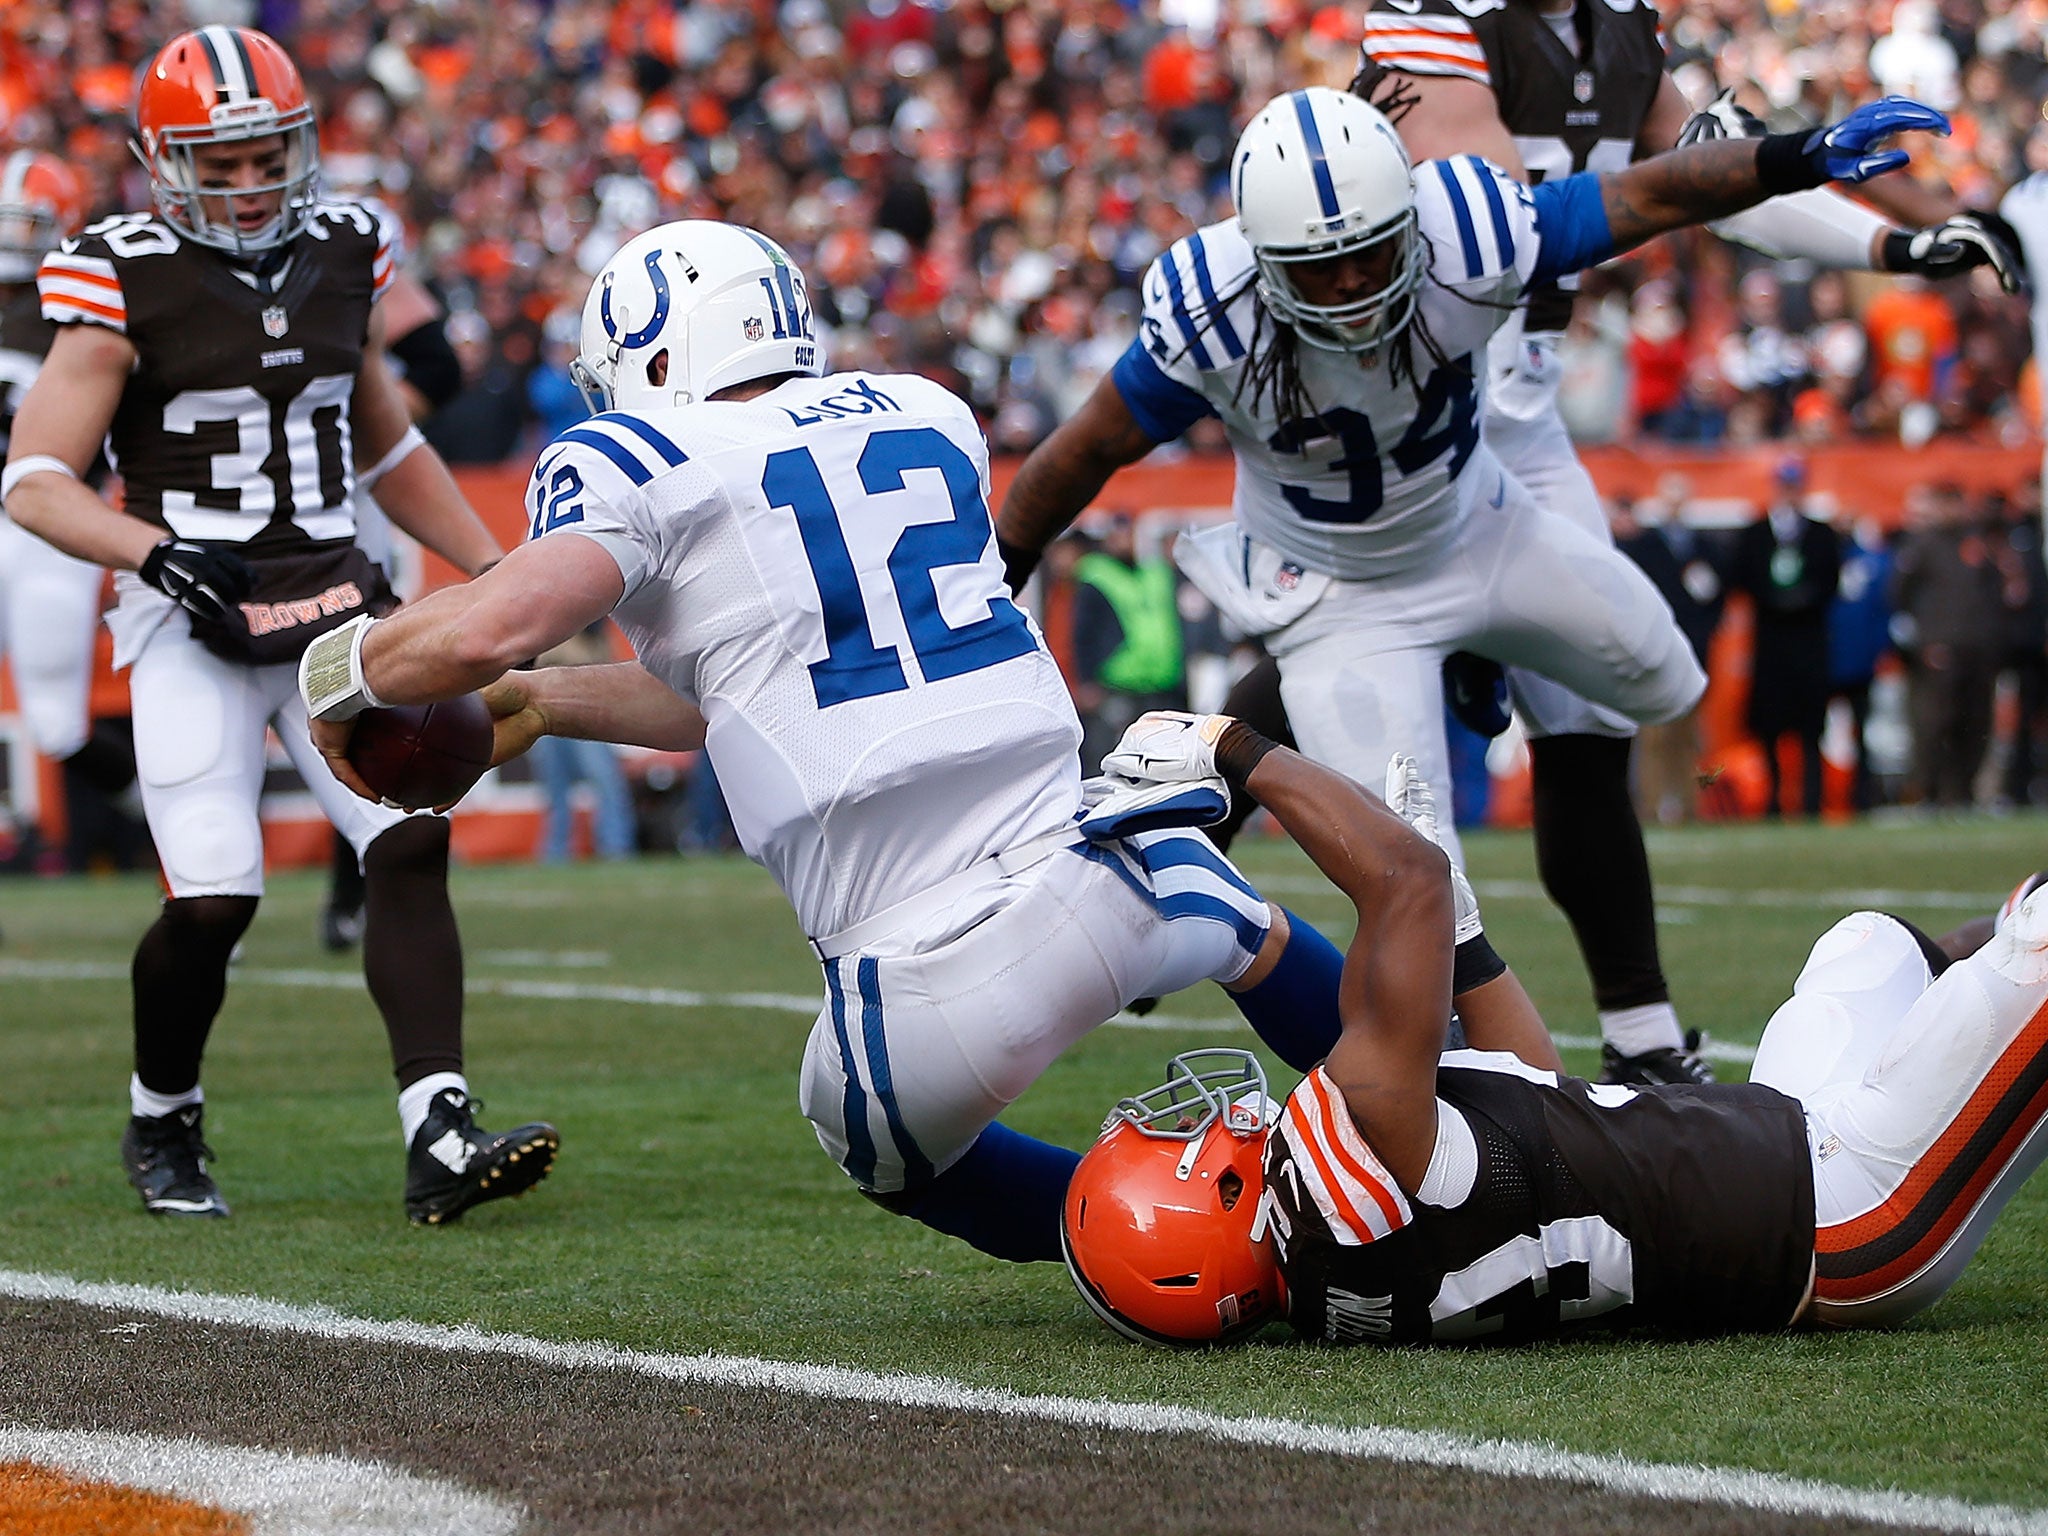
x=652, y=328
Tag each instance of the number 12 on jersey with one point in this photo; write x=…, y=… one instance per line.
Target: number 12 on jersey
x=854, y=667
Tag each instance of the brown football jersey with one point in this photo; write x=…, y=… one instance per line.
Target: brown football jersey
x=1568, y=106
x=1685, y=1209
x=24, y=342
x=234, y=426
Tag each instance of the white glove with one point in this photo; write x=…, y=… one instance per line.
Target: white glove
x=1116, y=807
x=1167, y=746
x=1410, y=798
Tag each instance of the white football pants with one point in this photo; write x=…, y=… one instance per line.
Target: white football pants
x=1925, y=1103
x=929, y=1034
x=49, y=613
x=1360, y=672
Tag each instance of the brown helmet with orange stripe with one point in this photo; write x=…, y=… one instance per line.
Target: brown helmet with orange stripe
x=1164, y=1228
x=42, y=203
x=229, y=140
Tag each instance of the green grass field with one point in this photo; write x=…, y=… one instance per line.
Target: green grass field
x=692, y=1210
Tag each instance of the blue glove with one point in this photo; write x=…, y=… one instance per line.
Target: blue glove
x=1843, y=152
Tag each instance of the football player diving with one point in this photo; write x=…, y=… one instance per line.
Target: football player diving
x=1338, y=326
x=1548, y=88
x=1404, y=1196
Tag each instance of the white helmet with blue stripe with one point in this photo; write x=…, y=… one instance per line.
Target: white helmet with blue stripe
x=721, y=304
x=1320, y=174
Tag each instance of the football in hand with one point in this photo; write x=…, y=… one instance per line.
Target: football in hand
x=423, y=754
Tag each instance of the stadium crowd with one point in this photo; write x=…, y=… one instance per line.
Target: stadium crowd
x=977, y=187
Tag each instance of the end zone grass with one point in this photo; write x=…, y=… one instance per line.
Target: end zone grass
x=692, y=1210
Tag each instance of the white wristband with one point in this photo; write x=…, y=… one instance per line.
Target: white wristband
x=367, y=479
x=331, y=673
x=34, y=464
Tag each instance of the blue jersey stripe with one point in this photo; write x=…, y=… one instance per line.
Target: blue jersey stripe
x=1468, y=236
x=1503, y=236
x=1318, y=161
x=917, y=1168
x=671, y=455
x=860, y=1147
x=1226, y=333
x=1192, y=904
x=628, y=462
x=1185, y=852
x=1178, y=295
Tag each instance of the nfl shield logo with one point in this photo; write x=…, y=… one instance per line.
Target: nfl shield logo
x=1288, y=577
x=755, y=329
x=275, y=321
x=1582, y=85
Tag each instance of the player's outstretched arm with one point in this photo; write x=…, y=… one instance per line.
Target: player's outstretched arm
x=1709, y=181
x=1064, y=474
x=621, y=703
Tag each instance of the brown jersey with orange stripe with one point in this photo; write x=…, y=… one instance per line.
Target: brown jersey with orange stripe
x=234, y=426
x=1569, y=108
x=1685, y=1209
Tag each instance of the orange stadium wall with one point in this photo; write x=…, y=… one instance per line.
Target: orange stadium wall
x=1862, y=480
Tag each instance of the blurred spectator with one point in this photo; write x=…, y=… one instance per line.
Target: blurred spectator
x=1655, y=534
x=552, y=398
x=1789, y=565
x=560, y=764
x=2023, y=587
x=1859, y=635
x=1950, y=626
x=484, y=422
x=1128, y=654
x=1763, y=357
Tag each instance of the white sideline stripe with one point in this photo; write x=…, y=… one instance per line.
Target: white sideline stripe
x=1502, y=1458
x=1841, y=902
x=670, y=997
x=282, y=1493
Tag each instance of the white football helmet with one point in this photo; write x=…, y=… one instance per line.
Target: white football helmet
x=1320, y=173
x=725, y=303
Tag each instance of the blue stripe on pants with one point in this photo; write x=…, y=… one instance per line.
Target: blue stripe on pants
x=860, y=1147
x=917, y=1169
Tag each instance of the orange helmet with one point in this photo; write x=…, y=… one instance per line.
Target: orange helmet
x=42, y=203
x=1164, y=1229
x=225, y=85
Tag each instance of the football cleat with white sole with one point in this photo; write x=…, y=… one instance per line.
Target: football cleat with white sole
x=454, y=1163
x=165, y=1156
x=2020, y=893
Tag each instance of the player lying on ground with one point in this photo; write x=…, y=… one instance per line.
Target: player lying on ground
x=1896, y=1103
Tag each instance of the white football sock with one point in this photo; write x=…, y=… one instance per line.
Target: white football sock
x=1632, y=1031
x=414, y=1099
x=155, y=1106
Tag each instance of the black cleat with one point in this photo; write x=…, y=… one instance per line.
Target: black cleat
x=454, y=1163
x=166, y=1160
x=1476, y=692
x=1666, y=1064
x=340, y=928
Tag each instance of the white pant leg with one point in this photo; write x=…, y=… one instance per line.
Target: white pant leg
x=1857, y=984
x=49, y=612
x=1914, y=1159
x=919, y=1048
x=1539, y=453
x=199, y=724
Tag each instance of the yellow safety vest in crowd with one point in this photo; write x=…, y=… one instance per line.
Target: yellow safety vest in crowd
x=1149, y=660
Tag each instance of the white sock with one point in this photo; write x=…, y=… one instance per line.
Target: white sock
x=1632, y=1031
x=155, y=1106
x=414, y=1099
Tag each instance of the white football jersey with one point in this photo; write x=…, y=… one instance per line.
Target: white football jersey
x=1380, y=483
x=815, y=568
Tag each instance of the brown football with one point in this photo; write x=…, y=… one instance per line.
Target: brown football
x=423, y=754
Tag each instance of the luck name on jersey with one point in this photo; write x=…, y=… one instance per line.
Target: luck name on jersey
x=815, y=568
x=1373, y=484
x=235, y=424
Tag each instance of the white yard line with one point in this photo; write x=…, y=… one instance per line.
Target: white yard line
x=1503, y=1458
x=673, y=997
